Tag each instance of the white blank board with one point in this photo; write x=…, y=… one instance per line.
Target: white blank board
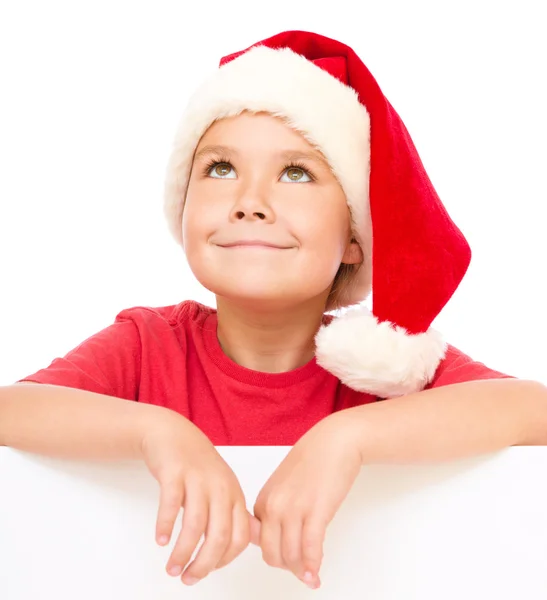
x=472, y=529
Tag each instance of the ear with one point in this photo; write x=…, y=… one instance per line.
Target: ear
x=353, y=254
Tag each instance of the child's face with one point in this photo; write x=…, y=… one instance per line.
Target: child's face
x=249, y=194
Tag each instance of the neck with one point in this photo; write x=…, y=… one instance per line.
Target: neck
x=266, y=340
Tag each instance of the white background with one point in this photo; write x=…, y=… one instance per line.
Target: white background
x=91, y=96
x=473, y=529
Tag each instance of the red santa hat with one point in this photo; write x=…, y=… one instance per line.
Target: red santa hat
x=414, y=255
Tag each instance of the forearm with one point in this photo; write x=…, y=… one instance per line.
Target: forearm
x=450, y=422
x=70, y=423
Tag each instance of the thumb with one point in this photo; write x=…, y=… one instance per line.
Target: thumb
x=255, y=530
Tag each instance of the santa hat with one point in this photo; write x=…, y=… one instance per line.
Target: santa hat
x=414, y=255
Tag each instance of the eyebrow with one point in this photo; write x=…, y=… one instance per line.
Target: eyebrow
x=289, y=155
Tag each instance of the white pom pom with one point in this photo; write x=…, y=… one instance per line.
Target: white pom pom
x=378, y=358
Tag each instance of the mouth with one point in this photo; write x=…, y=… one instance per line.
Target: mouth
x=253, y=247
x=253, y=244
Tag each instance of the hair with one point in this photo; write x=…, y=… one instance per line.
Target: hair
x=343, y=280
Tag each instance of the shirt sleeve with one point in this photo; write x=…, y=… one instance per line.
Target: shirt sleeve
x=457, y=367
x=107, y=363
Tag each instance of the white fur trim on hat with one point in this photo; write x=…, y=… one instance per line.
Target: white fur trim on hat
x=282, y=82
x=378, y=358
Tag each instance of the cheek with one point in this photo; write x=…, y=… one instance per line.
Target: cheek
x=199, y=212
x=326, y=225
x=192, y=229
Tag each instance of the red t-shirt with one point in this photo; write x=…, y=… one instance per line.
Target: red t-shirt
x=170, y=356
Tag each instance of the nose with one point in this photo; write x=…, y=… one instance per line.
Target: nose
x=241, y=215
x=252, y=205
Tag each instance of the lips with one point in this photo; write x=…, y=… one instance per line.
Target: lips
x=253, y=243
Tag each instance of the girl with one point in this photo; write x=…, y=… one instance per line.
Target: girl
x=294, y=189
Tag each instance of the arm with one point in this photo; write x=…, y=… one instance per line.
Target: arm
x=71, y=423
x=444, y=423
x=450, y=422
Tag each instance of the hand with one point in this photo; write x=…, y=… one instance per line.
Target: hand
x=193, y=475
x=303, y=494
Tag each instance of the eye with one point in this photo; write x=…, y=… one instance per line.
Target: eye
x=221, y=170
x=296, y=174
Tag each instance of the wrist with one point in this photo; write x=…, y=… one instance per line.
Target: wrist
x=346, y=428
x=157, y=421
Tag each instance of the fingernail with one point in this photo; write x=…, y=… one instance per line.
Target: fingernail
x=311, y=581
x=190, y=580
x=308, y=577
x=163, y=540
x=176, y=570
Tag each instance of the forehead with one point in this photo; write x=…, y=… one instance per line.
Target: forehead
x=254, y=131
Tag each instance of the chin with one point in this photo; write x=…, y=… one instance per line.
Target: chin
x=260, y=291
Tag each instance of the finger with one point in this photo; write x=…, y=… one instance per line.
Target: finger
x=291, y=545
x=194, y=523
x=255, y=529
x=241, y=535
x=217, y=539
x=171, y=499
x=270, y=542
x=313, y=535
